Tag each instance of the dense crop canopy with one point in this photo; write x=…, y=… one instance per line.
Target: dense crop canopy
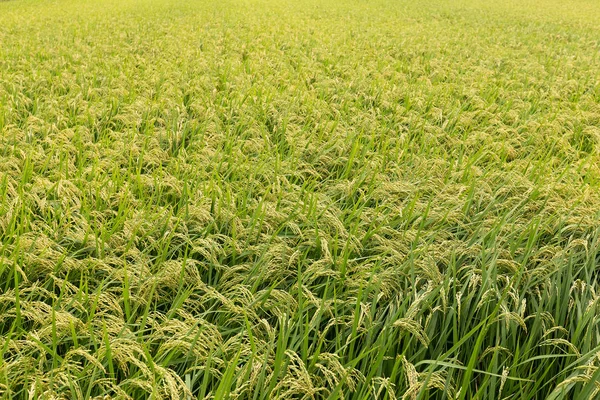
x=309, y=199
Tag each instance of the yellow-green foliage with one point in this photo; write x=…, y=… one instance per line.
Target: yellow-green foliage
x=269, y=199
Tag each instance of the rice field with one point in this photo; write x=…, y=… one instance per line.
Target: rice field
x=311, y=199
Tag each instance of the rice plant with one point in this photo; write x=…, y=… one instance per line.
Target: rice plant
x=318, y=199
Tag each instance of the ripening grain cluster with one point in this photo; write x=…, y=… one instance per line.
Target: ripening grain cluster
x=311, y=199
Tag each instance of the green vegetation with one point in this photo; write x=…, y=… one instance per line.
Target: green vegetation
x=259, y=199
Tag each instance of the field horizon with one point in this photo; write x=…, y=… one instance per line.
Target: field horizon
x=319, y=199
